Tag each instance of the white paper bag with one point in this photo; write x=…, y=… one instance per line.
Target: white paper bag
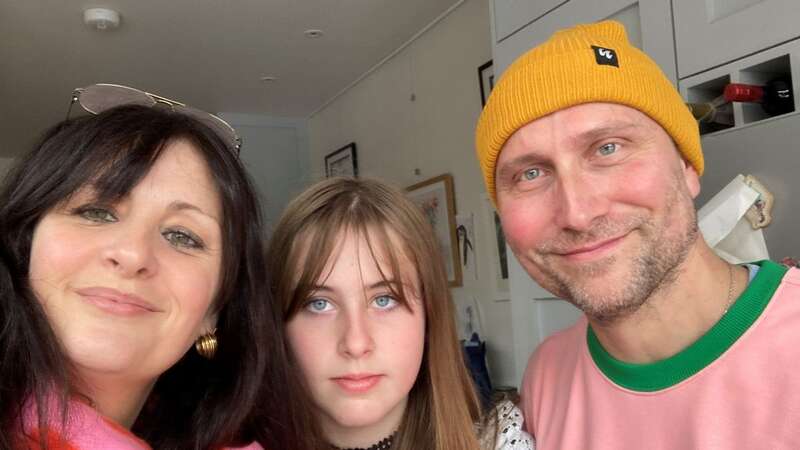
x=724, y=226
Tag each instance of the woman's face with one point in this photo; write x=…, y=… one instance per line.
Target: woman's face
x=128, y=286
x=358, y=347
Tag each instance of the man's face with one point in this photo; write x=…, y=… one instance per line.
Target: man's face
x=596, y=203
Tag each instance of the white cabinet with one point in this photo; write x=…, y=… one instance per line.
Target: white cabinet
x=709, y=33
x=648, y=23
x=756, y=144
x=511, y=15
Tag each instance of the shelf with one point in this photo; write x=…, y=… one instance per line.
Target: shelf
x=778, y=63
x=706, y=92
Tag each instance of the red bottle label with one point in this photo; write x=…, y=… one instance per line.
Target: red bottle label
x=738, y=92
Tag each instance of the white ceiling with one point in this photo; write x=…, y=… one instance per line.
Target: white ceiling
x=206, y=53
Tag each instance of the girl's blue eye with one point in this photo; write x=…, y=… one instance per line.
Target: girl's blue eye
x=318, y=305
x=531, y=174
x=385, y=302
x=607, y=149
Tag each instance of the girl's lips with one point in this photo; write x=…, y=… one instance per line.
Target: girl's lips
x=116, y=302
x=357, y=384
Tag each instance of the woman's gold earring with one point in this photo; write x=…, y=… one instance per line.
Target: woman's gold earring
x=206, y=345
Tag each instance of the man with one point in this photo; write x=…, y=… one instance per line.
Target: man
x=594, y=161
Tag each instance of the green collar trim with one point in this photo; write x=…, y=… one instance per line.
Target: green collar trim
x=673, y=370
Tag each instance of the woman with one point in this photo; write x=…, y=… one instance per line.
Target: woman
x=370, y=325
x=130, y=237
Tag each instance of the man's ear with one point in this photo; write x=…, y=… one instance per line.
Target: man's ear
x=691, y=178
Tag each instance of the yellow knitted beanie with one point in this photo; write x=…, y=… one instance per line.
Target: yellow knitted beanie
x=583, y=64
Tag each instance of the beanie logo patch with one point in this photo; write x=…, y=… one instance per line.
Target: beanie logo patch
x=605, y=56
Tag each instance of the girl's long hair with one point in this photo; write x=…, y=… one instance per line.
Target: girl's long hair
x=443, y=409
x=197, y=403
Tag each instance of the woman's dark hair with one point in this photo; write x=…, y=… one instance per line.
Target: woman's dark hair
x=197, y=403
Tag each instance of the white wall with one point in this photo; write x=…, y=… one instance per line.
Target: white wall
x=418, y=111
x=275, y=153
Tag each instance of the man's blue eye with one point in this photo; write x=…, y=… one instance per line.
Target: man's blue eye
x=531, y=174
x=607, y=149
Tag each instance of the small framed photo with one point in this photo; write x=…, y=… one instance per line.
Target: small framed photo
x=342, y=162
x=486, y=80
x=498, y=254
x=437, y=200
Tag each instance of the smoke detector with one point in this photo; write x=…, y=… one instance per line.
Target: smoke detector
x=101, y=19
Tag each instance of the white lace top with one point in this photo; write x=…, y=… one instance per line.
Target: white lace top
x=505, y=430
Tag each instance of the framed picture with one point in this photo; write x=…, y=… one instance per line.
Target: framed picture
x=342, y=162
x=486, y=80
x=498, y=251
x=436, y=199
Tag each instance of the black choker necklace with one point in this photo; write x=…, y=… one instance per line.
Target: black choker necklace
x=384, y=444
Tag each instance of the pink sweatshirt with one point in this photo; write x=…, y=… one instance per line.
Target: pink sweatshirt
x=85, y=430
x=737, y=387
x=88, y=430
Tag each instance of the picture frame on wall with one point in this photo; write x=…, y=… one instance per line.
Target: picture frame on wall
x=342, y=162
x=498, y=252
x=436, y=198
x=486, y=80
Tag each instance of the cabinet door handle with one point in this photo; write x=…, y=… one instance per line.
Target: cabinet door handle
x=546, y=298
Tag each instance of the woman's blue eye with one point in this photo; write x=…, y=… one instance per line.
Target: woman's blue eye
x=96, y=214
x=318, y=305
x=607, y=149
x=531, y=174
x=385, y=302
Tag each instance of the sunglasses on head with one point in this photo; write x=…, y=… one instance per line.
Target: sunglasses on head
x=101, y=97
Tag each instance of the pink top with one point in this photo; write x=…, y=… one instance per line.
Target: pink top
x=737, y=387
x=86, y=429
